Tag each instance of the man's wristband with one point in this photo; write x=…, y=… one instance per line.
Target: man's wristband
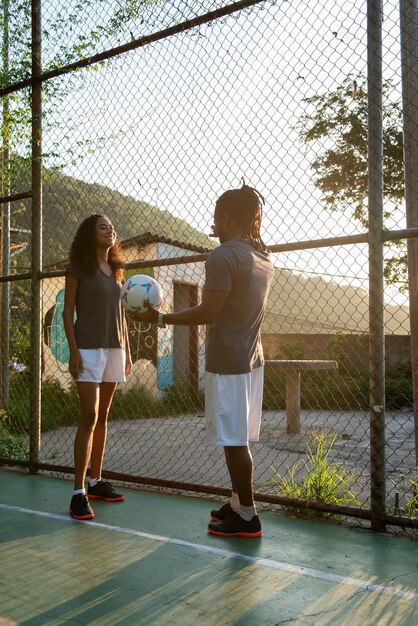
x=160, y=321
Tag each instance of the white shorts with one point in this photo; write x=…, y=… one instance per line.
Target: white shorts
x=102, y=365
x=233, y=405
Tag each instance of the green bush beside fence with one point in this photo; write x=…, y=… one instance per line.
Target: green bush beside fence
x=336, y=391
x=319, y=390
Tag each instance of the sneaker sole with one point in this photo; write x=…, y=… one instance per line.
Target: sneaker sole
x=238, y=534
x=88, y=516
x=120, y=499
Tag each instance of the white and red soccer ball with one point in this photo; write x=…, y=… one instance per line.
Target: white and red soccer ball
x=139, y=289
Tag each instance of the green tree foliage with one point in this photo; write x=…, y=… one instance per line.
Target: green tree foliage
x=335, y=126
x=70, y=34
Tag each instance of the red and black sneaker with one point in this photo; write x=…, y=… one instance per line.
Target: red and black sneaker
x=80, y=507
x=219, y=515
x=235, y=526
x=104, y=491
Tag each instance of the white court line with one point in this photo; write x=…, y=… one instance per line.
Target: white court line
x=270, y=563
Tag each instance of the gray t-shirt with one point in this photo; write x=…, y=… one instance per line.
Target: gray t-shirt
x=233, y=340
x=100, y=318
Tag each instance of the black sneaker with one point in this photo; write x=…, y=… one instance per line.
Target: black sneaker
x=235, y=526
x=219, y=515
x=80, y=507
x=104, y=491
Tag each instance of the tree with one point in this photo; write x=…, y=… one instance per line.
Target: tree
x=337, y=127
x=79, y=31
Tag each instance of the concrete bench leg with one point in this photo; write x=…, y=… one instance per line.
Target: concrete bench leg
x=293, y=403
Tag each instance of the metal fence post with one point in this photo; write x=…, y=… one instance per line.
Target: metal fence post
x=376, y=285
x=409, y=56
x=36, y=237
x=5, y=225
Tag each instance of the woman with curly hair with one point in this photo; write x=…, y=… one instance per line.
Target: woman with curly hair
x=99, y=350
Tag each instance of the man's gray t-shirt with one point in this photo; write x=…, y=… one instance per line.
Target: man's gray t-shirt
x=100, y=319
x=233, y=341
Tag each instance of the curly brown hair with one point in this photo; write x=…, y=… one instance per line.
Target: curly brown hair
x=83, y=250
x=245, y=205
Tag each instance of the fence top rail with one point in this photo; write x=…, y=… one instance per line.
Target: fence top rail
x=392, y=235
x=387, y=235
x=133, y=45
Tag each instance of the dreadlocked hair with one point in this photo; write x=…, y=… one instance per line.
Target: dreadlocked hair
x=245, y=206
x=83, y=250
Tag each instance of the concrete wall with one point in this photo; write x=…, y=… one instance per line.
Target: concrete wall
x=354, y=348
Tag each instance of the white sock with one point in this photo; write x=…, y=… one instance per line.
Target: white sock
x=77, y=491
x=247, y=512
x=94, y=481
x=235, y=502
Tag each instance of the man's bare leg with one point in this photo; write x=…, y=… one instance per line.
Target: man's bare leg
x=241, y=470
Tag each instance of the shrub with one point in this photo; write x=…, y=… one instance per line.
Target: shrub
x=13, y=446
x=333, y=390
x=59, y=407
x=319, y=390
x=398, y=385
x=134, y=404
x=179, y=399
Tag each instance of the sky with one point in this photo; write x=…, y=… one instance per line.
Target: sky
x=182, y=120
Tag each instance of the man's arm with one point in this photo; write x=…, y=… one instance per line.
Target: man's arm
x=204, y=313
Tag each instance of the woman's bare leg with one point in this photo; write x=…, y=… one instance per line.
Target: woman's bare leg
x=88, y=394
x=106, y=392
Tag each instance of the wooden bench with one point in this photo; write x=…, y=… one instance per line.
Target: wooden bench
x=293, y=370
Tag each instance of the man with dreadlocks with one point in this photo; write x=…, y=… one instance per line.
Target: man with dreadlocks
x=238, y=278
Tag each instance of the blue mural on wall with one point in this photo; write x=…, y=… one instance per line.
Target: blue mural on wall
x=165, y=361
x=57, y=338
x=60, y=350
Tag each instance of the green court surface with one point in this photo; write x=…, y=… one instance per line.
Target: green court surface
x=150, y=560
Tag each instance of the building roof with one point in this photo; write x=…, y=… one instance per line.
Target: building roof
x=15, y=246
x=141, y=241
x=146, y=238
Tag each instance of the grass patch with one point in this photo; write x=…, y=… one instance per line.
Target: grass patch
x=321, y=480
x=411, y=508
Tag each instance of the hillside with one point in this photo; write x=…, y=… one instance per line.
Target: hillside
x=67, y=201
x=313, y=305
x=296, y=304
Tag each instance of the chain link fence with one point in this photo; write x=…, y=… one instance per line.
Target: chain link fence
x=150, y=110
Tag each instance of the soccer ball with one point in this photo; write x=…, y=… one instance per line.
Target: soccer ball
x=139, y=289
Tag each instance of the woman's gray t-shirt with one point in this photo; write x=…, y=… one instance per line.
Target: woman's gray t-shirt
x=233, y=340
x=100, y=319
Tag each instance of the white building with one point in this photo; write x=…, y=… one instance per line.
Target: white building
x=161, y=356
